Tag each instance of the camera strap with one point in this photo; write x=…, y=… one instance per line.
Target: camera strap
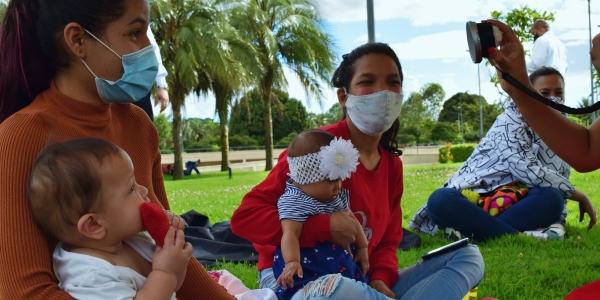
x=557, y=106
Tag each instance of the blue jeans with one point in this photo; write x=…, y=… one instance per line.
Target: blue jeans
x=448, y=276
x=189, y=167
x=540, y=208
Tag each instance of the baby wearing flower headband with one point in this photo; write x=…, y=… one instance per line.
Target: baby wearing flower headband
x=318, y=163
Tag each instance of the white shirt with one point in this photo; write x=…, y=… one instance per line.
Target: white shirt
x=161, y=76
x=548, y=51
x=88, y=277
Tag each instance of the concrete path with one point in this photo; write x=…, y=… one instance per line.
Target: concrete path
x=253, y=160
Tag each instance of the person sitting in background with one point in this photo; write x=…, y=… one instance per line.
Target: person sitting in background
x=191, y=166
x=168, y=169
x=521, y=184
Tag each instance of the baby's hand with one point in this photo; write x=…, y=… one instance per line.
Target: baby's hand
x=174, y=256
x=175, y=220
x=362, y=255
x=286, y=279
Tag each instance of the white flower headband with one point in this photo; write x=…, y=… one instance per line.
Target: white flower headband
x=338, y=160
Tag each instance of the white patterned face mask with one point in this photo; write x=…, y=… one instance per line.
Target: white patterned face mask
x=375, y=113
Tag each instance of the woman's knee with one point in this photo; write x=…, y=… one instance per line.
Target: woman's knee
x=474, y=265
x=551, y=198
x=443, y=201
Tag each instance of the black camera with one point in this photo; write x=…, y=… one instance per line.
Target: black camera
x=481, y=37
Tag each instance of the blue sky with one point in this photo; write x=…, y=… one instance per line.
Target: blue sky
x=430, y=40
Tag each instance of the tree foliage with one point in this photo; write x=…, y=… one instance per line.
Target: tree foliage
x=2, y=9
x=520, y=20
x=585, y=118
x=165, y=130
x=419, y=113
x=445, y=132
x=470, y=112
x=331, y=116
x=287, y=33
x=288, y=116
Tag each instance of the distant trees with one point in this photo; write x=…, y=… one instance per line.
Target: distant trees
x=287, y=114
x=464, y=109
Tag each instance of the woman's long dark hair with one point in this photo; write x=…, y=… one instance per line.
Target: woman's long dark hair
x=344, y=73
x=32, y=47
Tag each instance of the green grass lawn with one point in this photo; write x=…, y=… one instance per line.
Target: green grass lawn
x=516, y=267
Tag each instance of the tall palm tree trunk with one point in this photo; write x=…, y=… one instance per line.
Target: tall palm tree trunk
x=224, y=128
x=266, y=89
x=176, y=103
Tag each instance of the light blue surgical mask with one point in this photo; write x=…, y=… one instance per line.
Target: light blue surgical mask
x=140, y=68
x=375, y=113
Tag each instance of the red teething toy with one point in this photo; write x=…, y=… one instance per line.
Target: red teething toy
x=155, y=221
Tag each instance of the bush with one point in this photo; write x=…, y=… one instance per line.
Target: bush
x=462, y=152
x=203, y=145
x=406, y=138
x=287, y=140
x=472, y=136
x=242, y=140
x=444, y=154
x=444, y=131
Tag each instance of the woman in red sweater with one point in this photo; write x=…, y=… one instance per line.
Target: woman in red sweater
x=369, y=88
x=66, y=67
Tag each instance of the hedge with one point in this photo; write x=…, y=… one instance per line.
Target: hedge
x=462, y=152
x=455, y=153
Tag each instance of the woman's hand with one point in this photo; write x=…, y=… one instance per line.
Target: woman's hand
x=510, y=58
x=585, y=206
x=286, y=279
x=381, y=287
x=343, y=229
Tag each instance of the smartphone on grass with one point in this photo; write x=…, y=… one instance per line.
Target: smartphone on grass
x=445, y=249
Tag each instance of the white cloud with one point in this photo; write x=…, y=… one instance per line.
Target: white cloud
x=577, y=85
x=195, y=107
x=312, y=104
x=365, y=38
x=443, y=45
x=425, y=13
x=449, y=60
x=571, y=15
x=577, y=43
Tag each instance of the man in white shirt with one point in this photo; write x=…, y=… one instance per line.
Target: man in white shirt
x=548, y=50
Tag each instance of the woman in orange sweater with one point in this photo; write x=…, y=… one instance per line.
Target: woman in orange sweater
x=66, y=68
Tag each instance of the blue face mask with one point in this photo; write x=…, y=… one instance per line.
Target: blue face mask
x=140, y=68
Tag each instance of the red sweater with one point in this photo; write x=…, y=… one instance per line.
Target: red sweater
x=26, y=250
x=374, y=199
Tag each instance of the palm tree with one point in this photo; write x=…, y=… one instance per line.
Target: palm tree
x=235, y=68
x=287, y=33
x=585, y=102
x=196, y=44
x=2, y=9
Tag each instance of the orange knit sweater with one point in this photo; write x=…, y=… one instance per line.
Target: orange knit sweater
x=25, y=250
